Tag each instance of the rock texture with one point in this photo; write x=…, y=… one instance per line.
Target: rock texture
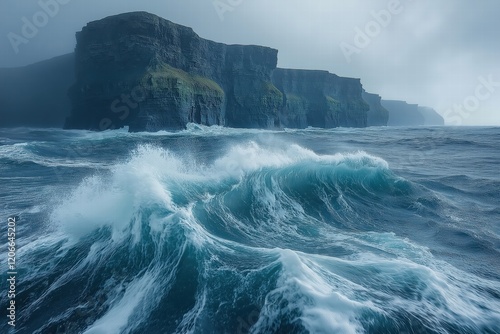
x=36, y=95
x=377, y=115
x=147, y=73
x=319, y=99
x=140, y=70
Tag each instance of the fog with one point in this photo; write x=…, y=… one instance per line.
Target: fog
x=443, y=54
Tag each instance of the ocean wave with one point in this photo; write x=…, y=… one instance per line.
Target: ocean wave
x=35, y=153
x=261, y=239
x=276, y=179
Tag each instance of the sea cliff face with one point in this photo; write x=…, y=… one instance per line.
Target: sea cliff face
x=140, y=70
x=403, y=114
x=147, y=73
x=319, y=99
x=377, y=115
x=431, y=117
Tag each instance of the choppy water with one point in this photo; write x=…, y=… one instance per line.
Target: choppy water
x=213, y=230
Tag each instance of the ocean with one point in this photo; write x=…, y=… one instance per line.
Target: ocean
x=217, y=230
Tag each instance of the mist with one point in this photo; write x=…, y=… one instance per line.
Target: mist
x=439, y=54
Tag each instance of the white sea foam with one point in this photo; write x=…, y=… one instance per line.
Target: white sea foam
x=243, y=159
x=318, y=290
x=148, y=177
x=23, y=152
x=116, y=200
x=304, y=297
x=375, y=279
x=115, y=320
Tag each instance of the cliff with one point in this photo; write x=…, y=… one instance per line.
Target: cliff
x=140, y=70
x=36, y=95
x=319, y=99
x=377, y=115
x=403, y=114
x=431, y=117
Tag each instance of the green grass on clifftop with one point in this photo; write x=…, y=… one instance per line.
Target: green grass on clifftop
x=271, y=96
x=166, y=76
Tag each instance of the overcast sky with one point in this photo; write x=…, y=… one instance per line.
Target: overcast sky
x=443, y=54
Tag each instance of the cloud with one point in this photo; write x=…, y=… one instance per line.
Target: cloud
x=431, y=53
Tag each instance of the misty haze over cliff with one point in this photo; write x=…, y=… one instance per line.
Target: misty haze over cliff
x=432, y=53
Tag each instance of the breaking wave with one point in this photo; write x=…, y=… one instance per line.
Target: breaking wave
x=258, y=240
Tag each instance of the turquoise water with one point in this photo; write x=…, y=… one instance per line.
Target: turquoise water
x=214, y=230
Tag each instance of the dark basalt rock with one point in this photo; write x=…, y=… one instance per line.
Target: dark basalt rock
x=147, y=73
x=319, y=99
x=177, y=78
x=377, y=115
x=140, y=70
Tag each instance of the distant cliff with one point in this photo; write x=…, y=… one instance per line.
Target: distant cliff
x=319, y=99
x=403, y=114
x=377, y=115
x=36, y=95
x=431, y=117
x=140, y=70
